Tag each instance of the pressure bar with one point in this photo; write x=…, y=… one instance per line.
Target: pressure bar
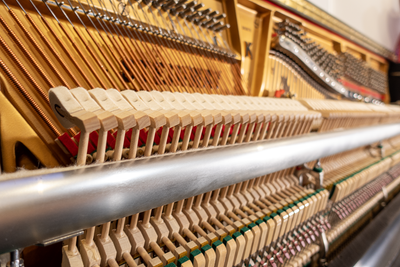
x=45, y=204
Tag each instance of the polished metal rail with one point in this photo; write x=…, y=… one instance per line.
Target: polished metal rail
x=40, y=205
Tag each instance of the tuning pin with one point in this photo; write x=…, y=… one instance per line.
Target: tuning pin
x=206, y=11
x=201, y=5
x=175, y=10
x=169, y=5
x=222, y=16
x=213, y=14
x=226, y=26
x=195, y=15
x=207, y=23
x=199, y=20
x=191, y=4
x=216, y=25
x=179, y=4
x=186, y=12
x=158, y=3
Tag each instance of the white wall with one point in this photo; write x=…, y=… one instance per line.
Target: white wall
x=377, y=19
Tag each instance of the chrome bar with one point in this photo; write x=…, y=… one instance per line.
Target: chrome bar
x=44, y=204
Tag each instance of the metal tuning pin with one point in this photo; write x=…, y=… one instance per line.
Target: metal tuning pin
x=226, y=26
x=207, y=23
x=191, y=4
x=201, y=19
x=158, y=3
x=216, y=25
x=206, y=11
x=169, y=5
x=186, y=12
x=195, y=15
x=222, y=16
x=201, y=5
x=179, y=4
x=176, y=10
x=213, y=14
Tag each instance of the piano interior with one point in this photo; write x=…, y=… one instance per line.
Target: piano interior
x=123, y=87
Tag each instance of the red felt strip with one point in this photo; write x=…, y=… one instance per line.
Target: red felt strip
x=70, y=145
x=90, y=149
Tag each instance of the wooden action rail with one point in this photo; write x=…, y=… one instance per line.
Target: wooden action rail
x=210, y=120
x=344, y=114
x=269, y=218
x=161, y=122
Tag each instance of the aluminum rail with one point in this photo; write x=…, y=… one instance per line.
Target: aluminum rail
x=41, y=205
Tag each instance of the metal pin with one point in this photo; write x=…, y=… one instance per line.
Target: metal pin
x=158, y=3
x=219, y=23
x=206, y=11
x=191, y=4
x=213, y=14
x=169, y=5
x=185, y=13
x=199, y=20
x=195, y=15
x=198, y=6
x=175, y=10
x=16, y=260
x=226, y=26
x=179, y=4
x=222, y=16
x=207, y=23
